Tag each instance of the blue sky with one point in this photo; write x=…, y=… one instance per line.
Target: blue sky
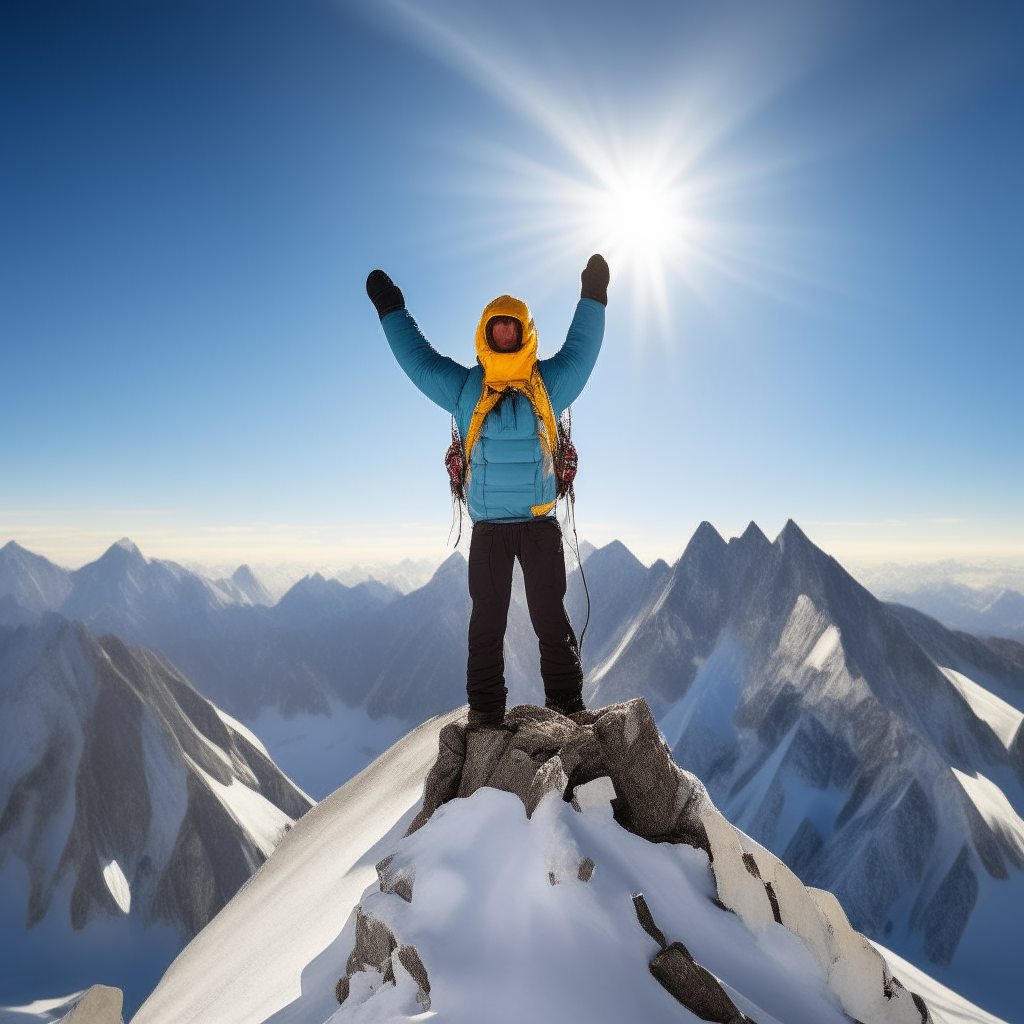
x=813, y=213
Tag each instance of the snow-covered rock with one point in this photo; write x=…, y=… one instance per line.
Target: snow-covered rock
x=131, y=811
x=507, y=876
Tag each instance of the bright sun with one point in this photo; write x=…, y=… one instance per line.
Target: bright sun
x=638, y=216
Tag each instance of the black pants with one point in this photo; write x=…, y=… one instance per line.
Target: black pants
x=492, y=554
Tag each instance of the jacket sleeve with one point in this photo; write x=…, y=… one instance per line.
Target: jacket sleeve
x=566, y=373
x=441, y=379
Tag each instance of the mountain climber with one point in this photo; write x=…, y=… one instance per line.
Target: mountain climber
x=506, y=409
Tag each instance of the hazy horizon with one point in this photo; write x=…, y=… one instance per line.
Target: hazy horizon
x=972, y=567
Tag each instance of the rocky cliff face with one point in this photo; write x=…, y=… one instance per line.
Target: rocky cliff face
x=127, y=801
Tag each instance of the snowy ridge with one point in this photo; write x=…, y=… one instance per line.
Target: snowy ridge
x=452, y=880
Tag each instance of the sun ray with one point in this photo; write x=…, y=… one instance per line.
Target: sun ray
x=664, y=199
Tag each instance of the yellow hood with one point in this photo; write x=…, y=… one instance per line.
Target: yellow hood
x=507, y=366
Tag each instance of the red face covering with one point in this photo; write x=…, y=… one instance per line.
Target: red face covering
x=504, y=334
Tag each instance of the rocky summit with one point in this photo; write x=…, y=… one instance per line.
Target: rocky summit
x=539, y=753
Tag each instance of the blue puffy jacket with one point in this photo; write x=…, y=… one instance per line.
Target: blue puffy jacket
x=508, y=473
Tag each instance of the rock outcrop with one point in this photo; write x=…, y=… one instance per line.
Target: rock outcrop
x=539, y=752
x=100, y=1004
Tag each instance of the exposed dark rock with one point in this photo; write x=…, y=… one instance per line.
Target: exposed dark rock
x=375, y=942
x=646, y=919
x=540, y=750
x=922, y=1008
x=410, y=960
x=442, y=783
x=375, y=945
x=1016, y=753
x=946, y=915
x=803, y=848
x=586, y=870
x=774, y=901
x=697, y=989
x=914, y=827
x=646, y=780
x=398, y=879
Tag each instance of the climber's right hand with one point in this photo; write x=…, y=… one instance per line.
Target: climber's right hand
x=594, y=280
x=385, y=295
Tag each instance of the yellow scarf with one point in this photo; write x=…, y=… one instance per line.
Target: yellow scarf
x=517, y=370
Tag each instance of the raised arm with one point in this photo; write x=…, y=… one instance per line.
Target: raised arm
x=566, y=373
x=441, y=379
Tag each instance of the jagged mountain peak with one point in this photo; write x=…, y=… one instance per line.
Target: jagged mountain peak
x=127, y=545
x=752, y=536
x=454, y=565
x=788, y=688
x=316, y=581
x=248, y=584
x=613, y=555
x=791, y=537
x=122, y=554
x=706, y=548
x=30, y=583
x=706, y=536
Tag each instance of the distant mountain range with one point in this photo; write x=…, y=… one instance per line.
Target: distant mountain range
x=131, y=811
x=988, y=612
x=877, y=752
x=985, y=598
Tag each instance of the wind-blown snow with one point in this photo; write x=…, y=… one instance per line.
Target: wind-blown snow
x=994, y=807
x=946, y=1006
x=711, y=700
x=118, y=885
x=242, y=730
x=820, y=652
x=262, y=821
x=39, y=1011
x=1002, y=717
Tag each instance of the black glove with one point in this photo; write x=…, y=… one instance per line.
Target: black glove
x=595, y=278
x=384, y=293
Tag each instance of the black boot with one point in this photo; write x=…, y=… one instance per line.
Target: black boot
x=566, y=706
x=486, y=719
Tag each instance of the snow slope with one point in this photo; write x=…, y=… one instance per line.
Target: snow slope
x=507, y=920
x=259, y=954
